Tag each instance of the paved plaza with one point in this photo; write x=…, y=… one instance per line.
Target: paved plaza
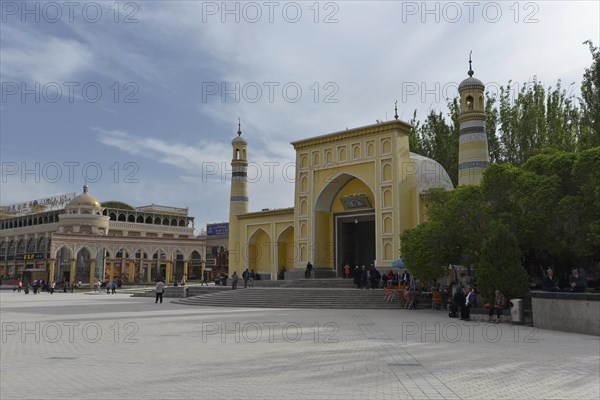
x=84, y=346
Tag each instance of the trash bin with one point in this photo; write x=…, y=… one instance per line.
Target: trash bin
x=185, y=291
x=516, y=311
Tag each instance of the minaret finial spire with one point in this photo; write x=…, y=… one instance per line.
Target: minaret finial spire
x=470, y=68
x=396, y=109
x=239, y=126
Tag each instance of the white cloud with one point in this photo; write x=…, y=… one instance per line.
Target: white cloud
x=29, y=55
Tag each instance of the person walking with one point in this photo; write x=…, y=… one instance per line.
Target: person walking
x=309, y=268
x=234, y=280
x=160, y=289
x=107, y=287
x=114, y=287
x=251, y=280
x=246, y=276
x=204, y=278
x=52, y=287
x=347, y=271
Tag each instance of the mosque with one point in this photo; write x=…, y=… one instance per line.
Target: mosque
x=356, y=191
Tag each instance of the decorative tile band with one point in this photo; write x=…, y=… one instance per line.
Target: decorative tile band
x=473, y=164
x=472, y=137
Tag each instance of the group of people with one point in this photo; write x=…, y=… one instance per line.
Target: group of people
x=371, y=278
x=577, y=282
x=249, y=277
x=221, y=279
x=463, y=300
x=111, y=288
x=40, y=285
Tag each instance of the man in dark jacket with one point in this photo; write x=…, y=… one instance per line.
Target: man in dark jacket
x=469, y=302
x=245, y=277
x=548, y=283
x=458, y=301
x=356, y=276
x=576, y=281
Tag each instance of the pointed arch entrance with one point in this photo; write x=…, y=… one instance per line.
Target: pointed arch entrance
x=344, y=224
x=286, y=251
x=259, y=255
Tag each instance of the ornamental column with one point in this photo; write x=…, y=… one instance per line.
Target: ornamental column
x=92, y=273
x=51, y=269
x=72, y=272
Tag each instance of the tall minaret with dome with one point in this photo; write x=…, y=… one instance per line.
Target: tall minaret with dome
x=238, y=200
x=473, y=155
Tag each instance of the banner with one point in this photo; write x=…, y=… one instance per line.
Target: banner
x=221, y=229
x=39, y=205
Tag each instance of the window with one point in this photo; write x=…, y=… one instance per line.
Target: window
x=469, y=103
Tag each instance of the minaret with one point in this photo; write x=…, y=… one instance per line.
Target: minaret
x=473, y=156
x=238, y=201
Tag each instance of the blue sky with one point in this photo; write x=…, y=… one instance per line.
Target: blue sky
x=142, y=97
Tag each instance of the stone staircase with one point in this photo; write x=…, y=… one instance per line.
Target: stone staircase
x=289, y=297
x=299, y=293
x=306, y=283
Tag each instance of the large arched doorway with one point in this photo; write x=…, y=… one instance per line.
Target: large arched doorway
x=82, y=266
x=159, y=265
x=286, y=250
x=259, y=247
x=63, y=265
x=101, y=259
x=195, y=266
x=344, y=224
x=178, y=265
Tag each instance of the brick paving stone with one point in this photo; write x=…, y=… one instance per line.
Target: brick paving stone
x=118, y=347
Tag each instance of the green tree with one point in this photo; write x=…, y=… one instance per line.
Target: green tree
x=500, y=265
x=491, y=124
x=422, y=251
x=436, y=139
x=590, y=101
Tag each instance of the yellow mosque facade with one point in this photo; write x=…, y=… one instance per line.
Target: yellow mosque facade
x=356, y=191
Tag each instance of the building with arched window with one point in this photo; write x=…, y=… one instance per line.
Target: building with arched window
x=88, y=241
x=356, y=191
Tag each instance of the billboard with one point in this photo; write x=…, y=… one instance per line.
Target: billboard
x=39, y=205
x=221, y=229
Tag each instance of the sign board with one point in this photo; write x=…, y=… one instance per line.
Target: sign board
x=221, y=229
x=39, y=205
x=30, y=256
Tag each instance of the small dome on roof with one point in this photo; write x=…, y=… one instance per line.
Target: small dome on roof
x=471, y=83
x=85, y=199
x=239, y=140
x=430, y=173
